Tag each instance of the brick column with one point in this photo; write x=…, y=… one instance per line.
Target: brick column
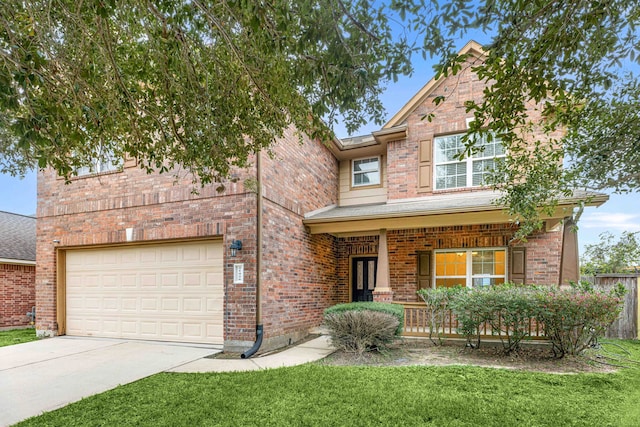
x=383, y=292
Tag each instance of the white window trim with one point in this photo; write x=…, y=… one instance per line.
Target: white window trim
x=468, y=160
x=469, y=265
x=99, y=166
x=353, y=172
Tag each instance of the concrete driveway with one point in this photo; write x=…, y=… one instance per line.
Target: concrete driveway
x=44, y=375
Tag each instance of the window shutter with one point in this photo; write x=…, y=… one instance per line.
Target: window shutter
x=518, y=265
x=424, y=270
x=425, y=171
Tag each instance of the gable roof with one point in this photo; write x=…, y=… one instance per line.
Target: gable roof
x=17, y=238
x=472, y=48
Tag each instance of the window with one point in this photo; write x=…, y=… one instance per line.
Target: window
x=470, y=267
x=450, y=172
x=365, y=172
x=106, y=162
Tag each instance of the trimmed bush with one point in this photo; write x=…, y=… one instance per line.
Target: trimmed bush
x=363, y=326
x=472, y=309
x=574, y=318
x=359, y=331
x=396, y=310
x=513, y=309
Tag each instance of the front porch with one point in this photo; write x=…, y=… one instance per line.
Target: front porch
x=388, y=251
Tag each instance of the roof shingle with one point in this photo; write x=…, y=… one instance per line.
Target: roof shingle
x=17, y=237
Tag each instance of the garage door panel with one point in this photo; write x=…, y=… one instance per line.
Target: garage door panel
x=192, y=305
x=171, y=292
x=169, y=280
x=192, y=279
x=130, y=304
x=128, y=281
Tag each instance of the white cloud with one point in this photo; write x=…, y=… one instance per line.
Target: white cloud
x=610, y=221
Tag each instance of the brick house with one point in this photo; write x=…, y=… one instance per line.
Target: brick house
x=125, y=254
x=17, y=269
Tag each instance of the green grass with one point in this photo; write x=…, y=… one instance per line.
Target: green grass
x=317, y=395
x=17, y=336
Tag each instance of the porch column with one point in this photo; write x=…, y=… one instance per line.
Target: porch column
x=569, y=262
x=383, y=292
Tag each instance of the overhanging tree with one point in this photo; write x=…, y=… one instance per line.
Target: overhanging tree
x=578, y=62
x=201, y=85
x=196, y=85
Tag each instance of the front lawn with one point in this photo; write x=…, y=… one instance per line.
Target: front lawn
x=17, y=336
x=320, y=395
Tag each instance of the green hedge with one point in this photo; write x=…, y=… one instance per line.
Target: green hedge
x=395, y=310
x=572, y=319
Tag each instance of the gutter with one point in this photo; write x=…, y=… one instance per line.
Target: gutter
x=16, y=261
x=259, y=327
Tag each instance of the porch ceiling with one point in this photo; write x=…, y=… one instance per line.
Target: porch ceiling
x=432, y=211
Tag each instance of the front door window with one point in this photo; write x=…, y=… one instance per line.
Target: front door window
x=363, y=278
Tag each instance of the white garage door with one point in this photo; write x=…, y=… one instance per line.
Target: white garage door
x=167, y=292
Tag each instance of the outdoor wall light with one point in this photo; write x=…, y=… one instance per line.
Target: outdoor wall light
x=236, y=245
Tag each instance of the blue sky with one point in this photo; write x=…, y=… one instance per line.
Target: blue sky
x=620, y=213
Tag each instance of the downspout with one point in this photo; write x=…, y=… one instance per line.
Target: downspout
x=259, y=327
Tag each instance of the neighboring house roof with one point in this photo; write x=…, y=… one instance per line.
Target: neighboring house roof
x=17, y=238
x=445, y=207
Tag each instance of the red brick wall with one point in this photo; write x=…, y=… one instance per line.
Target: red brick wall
x=298, y=280
x=17, y=294
x=543, y=253
x=449, y=117
x=98, y=210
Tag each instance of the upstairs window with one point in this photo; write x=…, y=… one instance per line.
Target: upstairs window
x=365, y=172
x=450, y=172
x=106, y=162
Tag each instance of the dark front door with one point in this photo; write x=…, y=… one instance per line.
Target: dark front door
x=363, y=278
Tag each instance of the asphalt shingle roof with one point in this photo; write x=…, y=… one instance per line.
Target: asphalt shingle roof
x=432, y=205
x=17, y=237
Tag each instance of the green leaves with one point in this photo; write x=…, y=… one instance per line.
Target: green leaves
x=610, y=256
x=557, y=98
x=193, y=85
x=201, y=85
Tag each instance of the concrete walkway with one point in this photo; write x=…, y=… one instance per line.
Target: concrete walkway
x=44, y=375
x=309, y=351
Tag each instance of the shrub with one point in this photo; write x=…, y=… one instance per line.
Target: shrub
x=574, y=318
x=438, y=302
x=472, y=311
x=396, y=310
x=512, y=310
x=361, y=330
x=360, y=327
x=571, y=319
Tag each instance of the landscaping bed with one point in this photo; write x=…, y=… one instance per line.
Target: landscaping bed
x=534, y=357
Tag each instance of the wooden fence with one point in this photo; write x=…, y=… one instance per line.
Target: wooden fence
x=626, y=326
